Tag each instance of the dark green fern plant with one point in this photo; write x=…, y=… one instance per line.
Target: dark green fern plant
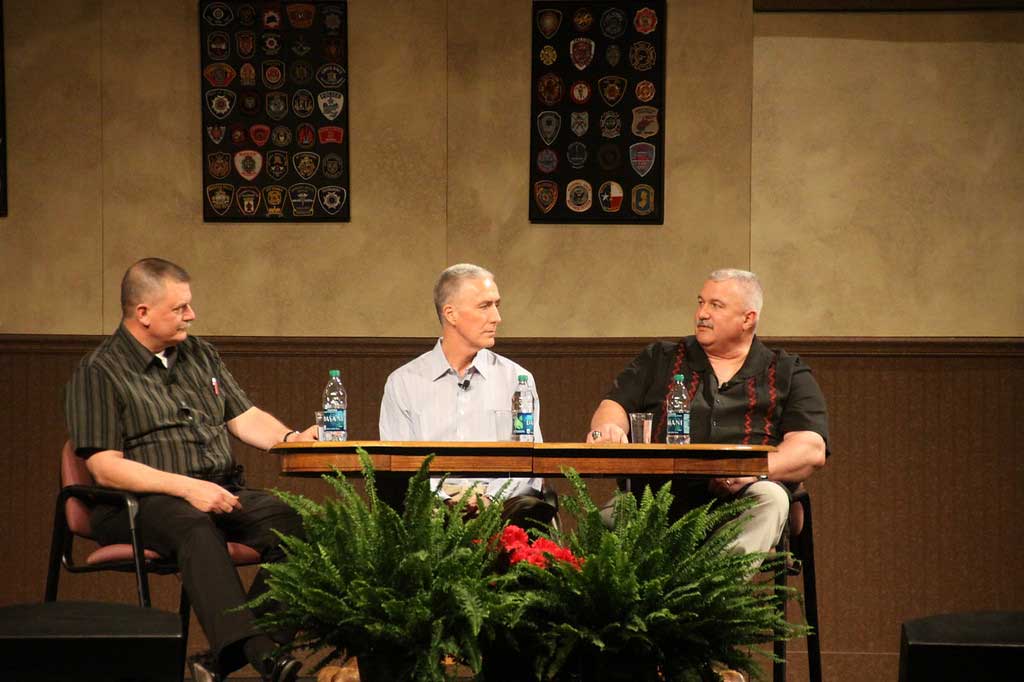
x=652, y=597
x=400, y=590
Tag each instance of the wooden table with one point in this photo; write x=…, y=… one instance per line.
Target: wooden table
x=526, y=459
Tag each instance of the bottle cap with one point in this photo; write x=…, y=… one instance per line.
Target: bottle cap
x=679, y=377
x=335, y=373
x=522, y=378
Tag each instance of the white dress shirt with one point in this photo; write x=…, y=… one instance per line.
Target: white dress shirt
x=424, y=400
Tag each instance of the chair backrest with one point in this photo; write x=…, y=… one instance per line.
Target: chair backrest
x=73, y=471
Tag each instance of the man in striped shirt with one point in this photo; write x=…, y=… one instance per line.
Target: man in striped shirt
x=150, y=410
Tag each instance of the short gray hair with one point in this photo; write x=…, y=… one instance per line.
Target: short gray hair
x=146, y=278
x=748, y=280
x=450, y=281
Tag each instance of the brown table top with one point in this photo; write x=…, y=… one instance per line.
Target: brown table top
x=588, y=459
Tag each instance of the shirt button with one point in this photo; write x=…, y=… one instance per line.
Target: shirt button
x=714, y=422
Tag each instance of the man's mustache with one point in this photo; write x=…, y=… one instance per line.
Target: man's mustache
x=705, y=323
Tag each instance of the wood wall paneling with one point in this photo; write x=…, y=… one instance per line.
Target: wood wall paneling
x=914, y=511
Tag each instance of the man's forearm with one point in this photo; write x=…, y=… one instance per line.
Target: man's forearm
x=258, y=428
x=110, y=469
x=799, y=455
x=609, y=412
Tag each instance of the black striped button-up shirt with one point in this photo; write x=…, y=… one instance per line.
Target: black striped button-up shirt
x=122, y=397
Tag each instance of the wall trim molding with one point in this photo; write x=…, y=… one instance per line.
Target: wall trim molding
x=16, y=344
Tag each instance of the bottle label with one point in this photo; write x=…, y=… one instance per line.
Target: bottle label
x=678, y=423
x=335, y=420
x=522, y=424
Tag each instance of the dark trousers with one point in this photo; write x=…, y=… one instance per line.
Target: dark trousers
x=196, y=541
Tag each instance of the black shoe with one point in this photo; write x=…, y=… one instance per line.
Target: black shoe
x=203, y=667
x=285, y=669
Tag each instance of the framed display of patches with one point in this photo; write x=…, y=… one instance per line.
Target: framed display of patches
x=3, y=123
x=274, y=84
x=597, y=118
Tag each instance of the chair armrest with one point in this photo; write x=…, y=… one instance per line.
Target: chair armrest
x=95, y=493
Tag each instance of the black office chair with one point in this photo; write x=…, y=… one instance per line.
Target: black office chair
x=71, y=518
x=798, y=538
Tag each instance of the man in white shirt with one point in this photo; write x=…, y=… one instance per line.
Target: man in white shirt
x=453, y=392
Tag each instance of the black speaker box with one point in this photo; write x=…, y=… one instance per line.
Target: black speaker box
x=955, y=647
x=89, y=642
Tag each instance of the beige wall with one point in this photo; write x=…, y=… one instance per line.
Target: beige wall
x=877, y=185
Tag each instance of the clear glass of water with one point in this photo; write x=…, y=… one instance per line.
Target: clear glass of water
x=640, y=424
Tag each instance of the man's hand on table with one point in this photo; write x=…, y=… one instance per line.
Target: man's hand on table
x=607, y=433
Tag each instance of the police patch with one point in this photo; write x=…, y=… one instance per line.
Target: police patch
x=271, y=43
x=332, y=198
x=613, y=55
x=302, y=197
x=247, y=75
x=330, y=134
x=306, y=164
x=642, y=55
x=274, y=198
x=644, y=91
x=612, y=89
x=645, y=122
x=239, y=135
x=248, y=200
x=218, y=14
x=332, y=166
x=301, y=72
x=218, y=164
x=249, y=102
x=550, y=89
x=272, y=74
x=548, y=55
x=245, y=42
x=331, y=75
x=611, y=124
x=641, y=157
x=643, y=200
x=281, y=136
x=547, y=160
x=331, y=103
x=609, y=156
x=576, y=154
x=545, y=193
x=300, y=15
x=219, y=195
x=259, y=133
x=580, y=92
x=246, y=15
x=248, y=163
x=219, y=75
x=216, y=133
x=332, y=49
x=613, y=23
x=645, y=20
x=271, y=17
x=218, y=45
x=302, y=103
x=581, y=51
x=277, y=163
x=609, y=196
x=220, y=102
x=277, y=105
x=548, y=125
x=300, y=47
x=305, y=135
x=332, y=20
x=548, y=22
x=582, y=20
x=579, y=121
x=579, y=195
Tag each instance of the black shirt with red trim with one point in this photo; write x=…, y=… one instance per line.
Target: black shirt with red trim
x=772, y=394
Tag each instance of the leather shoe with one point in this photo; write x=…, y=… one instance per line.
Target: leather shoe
x=285, y=669
x=203, y=667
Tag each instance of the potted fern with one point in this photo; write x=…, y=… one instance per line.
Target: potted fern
x=399, y=591
x=650, y=600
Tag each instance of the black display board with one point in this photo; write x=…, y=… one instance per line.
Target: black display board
x=274, y=84
x=3, y=122
x=597, y=118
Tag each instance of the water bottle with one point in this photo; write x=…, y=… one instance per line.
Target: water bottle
x=677, y=412
x=335, y=409
x=523, y=401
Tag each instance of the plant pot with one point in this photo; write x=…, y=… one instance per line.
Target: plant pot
x=609, y=669
x=384, y=668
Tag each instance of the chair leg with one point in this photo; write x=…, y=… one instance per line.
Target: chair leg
x=57, y=540
x=138, y=554
x=810, y=594
x=184, y=614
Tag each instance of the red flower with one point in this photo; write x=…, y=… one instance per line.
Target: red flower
x=516, y=542
x=514, y=537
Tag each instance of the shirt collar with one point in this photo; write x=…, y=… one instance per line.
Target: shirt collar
x=438, y=365
x=140, y=357
x=754, y=364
